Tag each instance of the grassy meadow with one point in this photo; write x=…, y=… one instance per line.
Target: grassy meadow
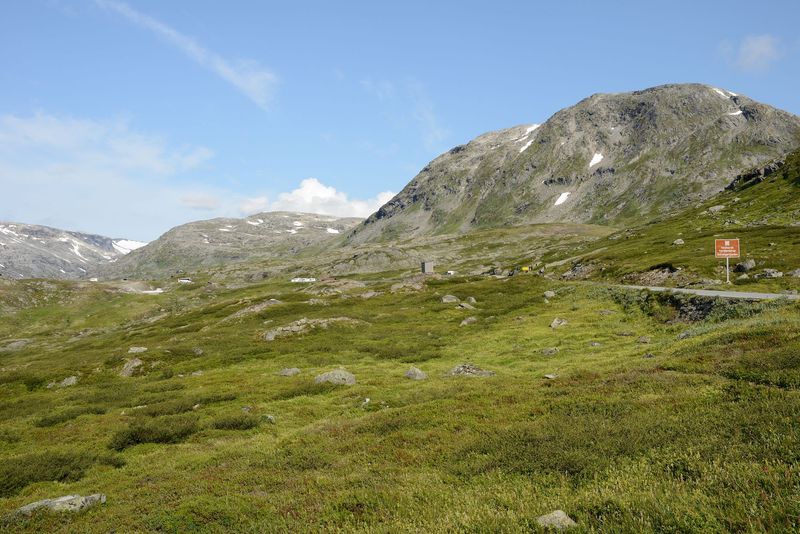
x=651, y=424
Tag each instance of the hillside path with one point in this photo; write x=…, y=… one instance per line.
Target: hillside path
x=718, y=293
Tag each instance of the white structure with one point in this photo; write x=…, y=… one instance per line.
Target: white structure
x=184, y=280
x=301, y=280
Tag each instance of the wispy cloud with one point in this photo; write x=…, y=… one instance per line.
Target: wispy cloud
x=755, y=53
x=433, y=133
x=253, y=80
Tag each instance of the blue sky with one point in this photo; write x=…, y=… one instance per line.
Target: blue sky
x=127, y=118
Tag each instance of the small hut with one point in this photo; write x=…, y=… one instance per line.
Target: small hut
x=427, y=267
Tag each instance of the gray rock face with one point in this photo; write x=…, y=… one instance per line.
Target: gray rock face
x=466, y=306
x=131, y=367
x=558, y=323
x=416, y=374
x=68, y=503
x=644, y=340
x=745, y=266
x=557, y=520
x=469, y=369
x=678, y=242
x=137, y=350
x=549, y=294
x=772, y=273
x=597, y=151
x=304, y=325
x=716, y=209
x=468, y=321
x=471, y=300
x=550, y=351
x=340, y=377
x=291, y=371
x=795, y=273
x=450, y=299
x=16, y=344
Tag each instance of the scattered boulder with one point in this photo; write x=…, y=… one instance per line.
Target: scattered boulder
x=558, y=323
x=649, y=355
x=678, y=242
x=247, y=409
x=304, y=325
x=717, y=208
x=684, y=335
x=466, y=306
x=745, y=266
x=15, y=344
x=549, y=294
x=551, y=376
x=468, y=321
x=255, y=308
x=644, y=340
x=130, y=367
x=69, y=381
x=469, y=369
x=415, y=374
x=269, y=419
x=371, y=294
x=137, y=350
x=557, y=520
x=744, y=276
x=196, y=373
x=198, y=351
x=624, y=334
x=772, y=273
x=595, y=344
x=795, y=273
x=450, y=299
x=68, y=503
x=550, y=351
x=472, y=300
x=289, y=371
x=340, y=377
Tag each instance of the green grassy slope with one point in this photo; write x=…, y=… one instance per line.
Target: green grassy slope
x=702, y=436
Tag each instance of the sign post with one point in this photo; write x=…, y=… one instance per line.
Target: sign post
x=726, y=248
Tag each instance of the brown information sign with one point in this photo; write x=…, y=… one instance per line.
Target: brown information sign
x=726, y=248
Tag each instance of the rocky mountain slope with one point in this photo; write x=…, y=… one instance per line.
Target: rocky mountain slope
x=32, y=251
x=610, y=159
x=215, y=242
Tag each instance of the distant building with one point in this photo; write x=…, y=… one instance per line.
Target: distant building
x=427, y=267
x=301, y=280
x=451, y=273
x=184, y=280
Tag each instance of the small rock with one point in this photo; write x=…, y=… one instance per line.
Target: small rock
x=644, y=340
x=69, y=381
x=197, y=373
x=549, y=351
x=68, y=503
x=772, y=273
x=649, y=355
x=744, y=276
x=450, y=299
x=472, y=300
x=557, y=520
x=558, y=323
x=415, y=374
x=290, y=371
x=607, y=312
x=198, y=351
x=549, y=294
x=678, y=242
x=594, y=344
x=716, y=209
x=551, y=377
x=469, y=369
x=370, y=294
x=684, y=335
x=365, y=403
x=466, y=306
x=795, y=273
x=196, y=406
x=131, y=367
x=137, y=350
x=468, y=321
x=745, y=266
x=247, y=409
x=340, y=377
x=269, y=419
x=624, y=334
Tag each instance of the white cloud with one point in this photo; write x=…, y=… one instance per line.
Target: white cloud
x=433, y=133
x=102, y=177
x=248, y=76
x=756, y=53
x=312, y=196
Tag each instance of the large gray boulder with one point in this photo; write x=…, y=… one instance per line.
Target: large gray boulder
x=469, y=369
x=340, y=377
x=549, y=294
x=745, y=266
x=67, y=382
x=68, y=503
x=558, y=323
x=450, y=299
x=795, y=273
x=468, y=321
x=131, y=367
x=137, y=350
x=416, y=374
x=557, y=520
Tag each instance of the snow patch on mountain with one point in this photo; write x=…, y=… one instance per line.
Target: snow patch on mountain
x=126, y=246
x=562, y=198
x=597, y=158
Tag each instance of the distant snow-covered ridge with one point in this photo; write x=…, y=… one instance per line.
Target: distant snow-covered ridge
x=34, y=251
